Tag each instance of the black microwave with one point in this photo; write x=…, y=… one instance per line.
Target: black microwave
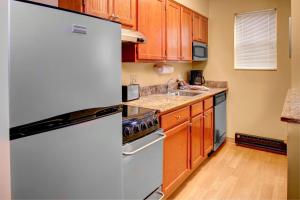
x=200, y=51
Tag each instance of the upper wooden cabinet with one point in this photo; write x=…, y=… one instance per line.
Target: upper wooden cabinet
x=75, y=5
x=173, y=37
x=151, y=22
x=186, y=34
x=99, y=8
x=200, y=28
x=125, y=12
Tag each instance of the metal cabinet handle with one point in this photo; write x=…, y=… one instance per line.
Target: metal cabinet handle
x=126, y=153
x=177, y=117
x=162, y=195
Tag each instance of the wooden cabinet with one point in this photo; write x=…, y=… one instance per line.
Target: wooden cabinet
x=186, y=34
x=204, y=30
x=189, y=139
x=75, y=5
x=176, y=157
x=151, y=22
x=173, y=36
x=200, y=28
x=197, y=150
x=99, y=8
x=175, y=118
x=124, y=11
x=208, y=131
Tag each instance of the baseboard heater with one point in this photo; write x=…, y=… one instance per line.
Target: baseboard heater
x=261, y=143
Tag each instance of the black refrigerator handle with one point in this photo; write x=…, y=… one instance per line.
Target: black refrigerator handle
x=61, y=121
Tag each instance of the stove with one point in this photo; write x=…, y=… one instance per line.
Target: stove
x=142, y=154
x=138, y=122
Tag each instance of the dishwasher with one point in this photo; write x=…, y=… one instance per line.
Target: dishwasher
x=219, y=119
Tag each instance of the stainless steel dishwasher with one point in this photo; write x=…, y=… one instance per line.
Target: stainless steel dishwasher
x=219, y=119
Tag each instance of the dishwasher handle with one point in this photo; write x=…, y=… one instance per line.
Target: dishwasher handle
x=129, y=153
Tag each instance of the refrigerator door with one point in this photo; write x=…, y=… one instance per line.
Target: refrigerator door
x=83, y=161
x=61, y=62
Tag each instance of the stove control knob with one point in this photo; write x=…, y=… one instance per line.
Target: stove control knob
x=150, y=123
x=143, y=126
x=126, y=131
x=136, y=128
x=155, y=121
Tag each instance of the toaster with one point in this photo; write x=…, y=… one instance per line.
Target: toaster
x=130, y=92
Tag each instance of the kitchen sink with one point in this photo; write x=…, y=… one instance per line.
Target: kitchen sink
x=184, y=93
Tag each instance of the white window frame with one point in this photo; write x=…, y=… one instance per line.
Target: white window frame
x=236, y=67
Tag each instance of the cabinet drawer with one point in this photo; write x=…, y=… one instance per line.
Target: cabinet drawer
x=208, y=103
x=197, y=108
x=174, y=118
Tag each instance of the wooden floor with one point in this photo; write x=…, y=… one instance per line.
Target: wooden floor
x=237, y=173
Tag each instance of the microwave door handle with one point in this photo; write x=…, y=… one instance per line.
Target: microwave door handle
x=129, y=153
x=203, y=80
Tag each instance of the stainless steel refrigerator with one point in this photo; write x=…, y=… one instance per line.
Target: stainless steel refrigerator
x=65, y=91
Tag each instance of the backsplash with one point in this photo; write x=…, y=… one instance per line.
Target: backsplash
x=163, y=88
x=145, y=75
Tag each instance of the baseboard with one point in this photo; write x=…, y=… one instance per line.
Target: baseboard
x=261, y=143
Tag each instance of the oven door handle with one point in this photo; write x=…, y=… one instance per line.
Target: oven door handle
x=129, y=153
x=162, y=195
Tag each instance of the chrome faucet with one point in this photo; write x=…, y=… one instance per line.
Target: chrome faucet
x=168, y=84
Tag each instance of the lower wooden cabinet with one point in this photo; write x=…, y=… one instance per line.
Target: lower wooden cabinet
x=176, y=157
x=189, y=139
x=197, y=150
x=208, y=131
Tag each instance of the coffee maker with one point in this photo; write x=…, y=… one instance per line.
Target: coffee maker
x=196, y=77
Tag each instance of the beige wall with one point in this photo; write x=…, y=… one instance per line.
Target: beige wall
x=200, y=6
x=145, y=74
x=295, y=43
x=255, y=98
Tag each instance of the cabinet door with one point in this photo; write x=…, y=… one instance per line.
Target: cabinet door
x=196, y=27
x=151, y=22
x=124, y=11
x=173, y=30
x=186, y=34
x=197, y=150
x=75, y=5
x=176, y=157
x=204, y=30
x=99, y=8
x=208, y=131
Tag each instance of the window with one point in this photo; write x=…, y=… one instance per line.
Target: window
x=256, y=40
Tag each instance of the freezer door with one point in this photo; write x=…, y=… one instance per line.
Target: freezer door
x=83, y=161
x=61, y=62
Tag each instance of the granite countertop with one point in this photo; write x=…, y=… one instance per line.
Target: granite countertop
x=291, y=108
x=165, y=103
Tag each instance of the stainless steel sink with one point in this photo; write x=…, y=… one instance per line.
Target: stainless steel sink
x=184, y=93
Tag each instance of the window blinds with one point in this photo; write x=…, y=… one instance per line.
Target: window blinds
x=256, y=40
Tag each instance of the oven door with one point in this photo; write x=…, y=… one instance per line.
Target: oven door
x=199, y=51
x=142, y=166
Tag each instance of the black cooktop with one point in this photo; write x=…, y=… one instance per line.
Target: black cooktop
x=138, y=122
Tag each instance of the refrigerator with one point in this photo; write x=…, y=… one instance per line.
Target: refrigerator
x=65, y=96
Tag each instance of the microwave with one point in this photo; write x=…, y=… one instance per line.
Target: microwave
x=200, y=51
